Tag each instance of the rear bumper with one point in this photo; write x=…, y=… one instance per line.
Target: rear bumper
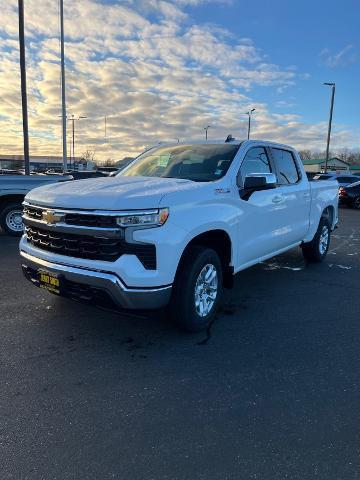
x=97, y=287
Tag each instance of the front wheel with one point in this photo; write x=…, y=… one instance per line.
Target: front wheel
x=197, y=289
x=11, y=219
x=316, y=250
x=357, y=203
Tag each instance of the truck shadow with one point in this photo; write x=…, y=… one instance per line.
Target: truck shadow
x=139, y=331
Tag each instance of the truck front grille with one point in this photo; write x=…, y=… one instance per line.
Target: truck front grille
x=101, y=221
x=33, y=212
x=78, y=219
x=90, y=247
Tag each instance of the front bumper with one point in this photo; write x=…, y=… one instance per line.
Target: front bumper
x=95, y=286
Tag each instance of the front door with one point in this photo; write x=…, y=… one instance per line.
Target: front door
x=261, y=229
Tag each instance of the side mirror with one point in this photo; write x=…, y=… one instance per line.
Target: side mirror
x=259, y=181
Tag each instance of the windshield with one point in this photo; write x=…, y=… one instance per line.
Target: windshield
x=200, y=163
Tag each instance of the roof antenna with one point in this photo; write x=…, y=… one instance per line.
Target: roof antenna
x=229, y=138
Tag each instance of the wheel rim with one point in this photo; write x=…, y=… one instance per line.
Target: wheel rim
x=206, y=289
x=14, y=221
x=324, y=239
x=357, y=203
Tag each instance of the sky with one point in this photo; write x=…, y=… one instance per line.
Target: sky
x=163, y=70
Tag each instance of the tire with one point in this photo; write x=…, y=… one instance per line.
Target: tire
x=192, y=293
x=10, y=217
x=356, y=203
x=316, y=250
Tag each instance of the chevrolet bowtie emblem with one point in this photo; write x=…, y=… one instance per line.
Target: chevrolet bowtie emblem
x=50, y=217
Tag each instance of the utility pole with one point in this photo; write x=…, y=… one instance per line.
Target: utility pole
x=206, y=131
x=249, y=113
x=73, y=120
x=23, y=87
x=73, y=141
x=332, y=85
x=63, y=96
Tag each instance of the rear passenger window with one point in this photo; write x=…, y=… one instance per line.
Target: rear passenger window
x=255, y=161
x=288, y=172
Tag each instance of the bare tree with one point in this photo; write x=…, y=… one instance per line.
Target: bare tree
x=109, y=162
x=354, y=157
x=89, y=155
x=343, y=154
x=306, y=154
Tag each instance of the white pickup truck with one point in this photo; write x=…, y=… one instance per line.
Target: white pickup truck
x=175, y=226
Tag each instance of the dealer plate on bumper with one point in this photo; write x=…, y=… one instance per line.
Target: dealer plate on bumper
x=50, y=281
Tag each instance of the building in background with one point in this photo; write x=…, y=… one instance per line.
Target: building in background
x=354, y=169
x=43, y=163
x=318, y=165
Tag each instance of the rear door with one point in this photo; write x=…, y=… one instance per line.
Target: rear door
x=293, y=186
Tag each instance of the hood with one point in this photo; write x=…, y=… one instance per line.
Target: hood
x=108, y=193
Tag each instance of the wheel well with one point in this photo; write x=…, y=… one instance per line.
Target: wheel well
x=6, y=199
x=329, y=214
x=219, y=241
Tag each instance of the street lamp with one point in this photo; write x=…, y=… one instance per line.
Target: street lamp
x=249, y=113
x=332, y=85
x=206, y=131
x=73, y=120
x=23, y=87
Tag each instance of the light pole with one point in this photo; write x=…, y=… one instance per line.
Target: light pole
x=73, y=120
x=249, y=113
x=206, y=131
x=63, y=91
x=332, y=85
x=23, y=88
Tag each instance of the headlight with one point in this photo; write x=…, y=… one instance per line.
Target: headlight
x=151, y=217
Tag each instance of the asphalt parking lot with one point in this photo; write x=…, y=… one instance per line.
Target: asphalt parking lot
x=271, y=392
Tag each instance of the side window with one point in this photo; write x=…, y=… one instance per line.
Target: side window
x=288, y=171
x=255, y=161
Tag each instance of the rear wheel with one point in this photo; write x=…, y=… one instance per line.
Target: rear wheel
x=316, y=250
x=357, y=203
x=197, y=289
x=11, y=219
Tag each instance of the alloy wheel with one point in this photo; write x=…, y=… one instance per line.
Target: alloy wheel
x=206, y=290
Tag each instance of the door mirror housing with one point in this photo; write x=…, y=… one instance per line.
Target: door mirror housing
x=255, y=182
x=259, y=181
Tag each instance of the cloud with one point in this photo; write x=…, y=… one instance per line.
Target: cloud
x=148, y=68
x=344, y=57
x=285, y=104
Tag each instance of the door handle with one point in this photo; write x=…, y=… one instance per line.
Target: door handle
x=277, y=199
